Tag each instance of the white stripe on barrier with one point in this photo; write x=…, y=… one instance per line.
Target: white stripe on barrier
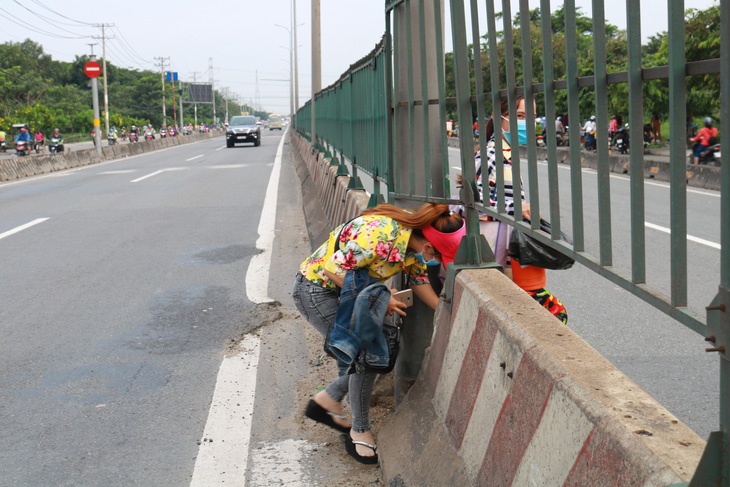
x=461, y=331
x=494, y=389
x=556, y=444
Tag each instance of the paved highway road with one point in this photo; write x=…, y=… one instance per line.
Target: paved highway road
x=661, y=355
x=121, y=284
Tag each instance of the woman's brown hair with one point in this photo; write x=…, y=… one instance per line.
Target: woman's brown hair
x=430, y=214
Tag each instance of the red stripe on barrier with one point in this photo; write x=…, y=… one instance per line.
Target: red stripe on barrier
x=517, y=422
x=602, y=461
x=470, y=379
x=441, y=341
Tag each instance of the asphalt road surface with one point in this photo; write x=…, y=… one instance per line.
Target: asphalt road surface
x=122, y=284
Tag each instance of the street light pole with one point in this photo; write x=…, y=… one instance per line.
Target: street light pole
x=316, y=63
x=291, y=70
x=296, y=56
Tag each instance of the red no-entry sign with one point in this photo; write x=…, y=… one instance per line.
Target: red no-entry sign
x=92, y=69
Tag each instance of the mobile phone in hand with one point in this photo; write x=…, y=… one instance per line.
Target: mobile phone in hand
x=405, y=296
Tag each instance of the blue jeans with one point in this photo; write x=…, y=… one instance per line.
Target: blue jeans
x=319, y=306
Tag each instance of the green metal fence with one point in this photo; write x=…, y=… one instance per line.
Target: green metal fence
x=387, y=114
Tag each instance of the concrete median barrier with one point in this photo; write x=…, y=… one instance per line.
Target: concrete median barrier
x=510, y=396
x=31, y=165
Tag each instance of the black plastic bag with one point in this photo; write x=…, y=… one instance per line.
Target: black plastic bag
x=528, y=251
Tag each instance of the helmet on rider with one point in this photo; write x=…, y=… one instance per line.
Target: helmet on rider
x=708, y=121
x=626, y=125
x=593, y=117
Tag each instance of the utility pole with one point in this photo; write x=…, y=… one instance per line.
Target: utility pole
x=195, y=103
x=316, y=63
x=257, y=105
x=212, y=86
x=95, y=105
x=162, y=78
x=296, y=58
x=103, y=61
x=182, y=122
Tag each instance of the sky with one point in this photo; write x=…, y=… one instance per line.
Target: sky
x=237, y=43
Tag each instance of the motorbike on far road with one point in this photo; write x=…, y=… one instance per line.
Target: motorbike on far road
x=56, y=145
x=22, y=148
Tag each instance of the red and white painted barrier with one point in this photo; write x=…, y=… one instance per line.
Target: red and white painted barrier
x=510, y=396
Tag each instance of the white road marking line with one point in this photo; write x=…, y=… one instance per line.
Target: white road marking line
x=223, y=454
x=646, y=182
x=122, y=171
x=257, y=276
x=222, y=147
x=22, y=227
x=689, y=237
x=225, y=460
x=229, y=166
x=156, y=173
x=193, y=158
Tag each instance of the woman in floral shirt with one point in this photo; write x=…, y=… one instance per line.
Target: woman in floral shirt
x=385, y=240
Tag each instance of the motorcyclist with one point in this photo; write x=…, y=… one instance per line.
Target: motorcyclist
x=559, y=130
x=23, y=136
x=706, y=138
x=134, y=130
x=40, y=140
x=590, y=130
x=57, y=138
x=3, y=135
x=124, y=132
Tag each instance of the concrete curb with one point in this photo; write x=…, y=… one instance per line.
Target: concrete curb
x=510, y=396
x=35, y=164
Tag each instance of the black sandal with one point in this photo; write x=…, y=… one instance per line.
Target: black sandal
x=321, y=415
x=350, y=447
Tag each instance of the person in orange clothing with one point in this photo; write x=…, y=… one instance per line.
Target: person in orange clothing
x=706, y=137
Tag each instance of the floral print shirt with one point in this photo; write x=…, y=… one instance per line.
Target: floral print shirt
x=377, y=243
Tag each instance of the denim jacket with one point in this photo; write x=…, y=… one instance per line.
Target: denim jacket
x=359, y=322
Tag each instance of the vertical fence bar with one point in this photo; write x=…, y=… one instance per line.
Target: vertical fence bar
x=463, y=97
x=509, y=50
x=604, y=168
x=636, y=162
x=529, y=112
x=496, y=104
x=424, y=99
x=391, y=77
x=479, y=80
x=549, y=80
x=724, y=321
x=411, y=100
x=725, y=155
x=440, y=76
x=576, y=173
x=678, y=153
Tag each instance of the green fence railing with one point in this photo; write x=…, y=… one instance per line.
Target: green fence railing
x=387, y=116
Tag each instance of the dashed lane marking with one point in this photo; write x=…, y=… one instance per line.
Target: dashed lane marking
x=22, y=227
x=689, y=237
x=156, y=173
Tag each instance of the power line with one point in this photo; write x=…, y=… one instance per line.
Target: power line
x=126, y=42
x=61, y=15
x=38, y=30
x=46, y=19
